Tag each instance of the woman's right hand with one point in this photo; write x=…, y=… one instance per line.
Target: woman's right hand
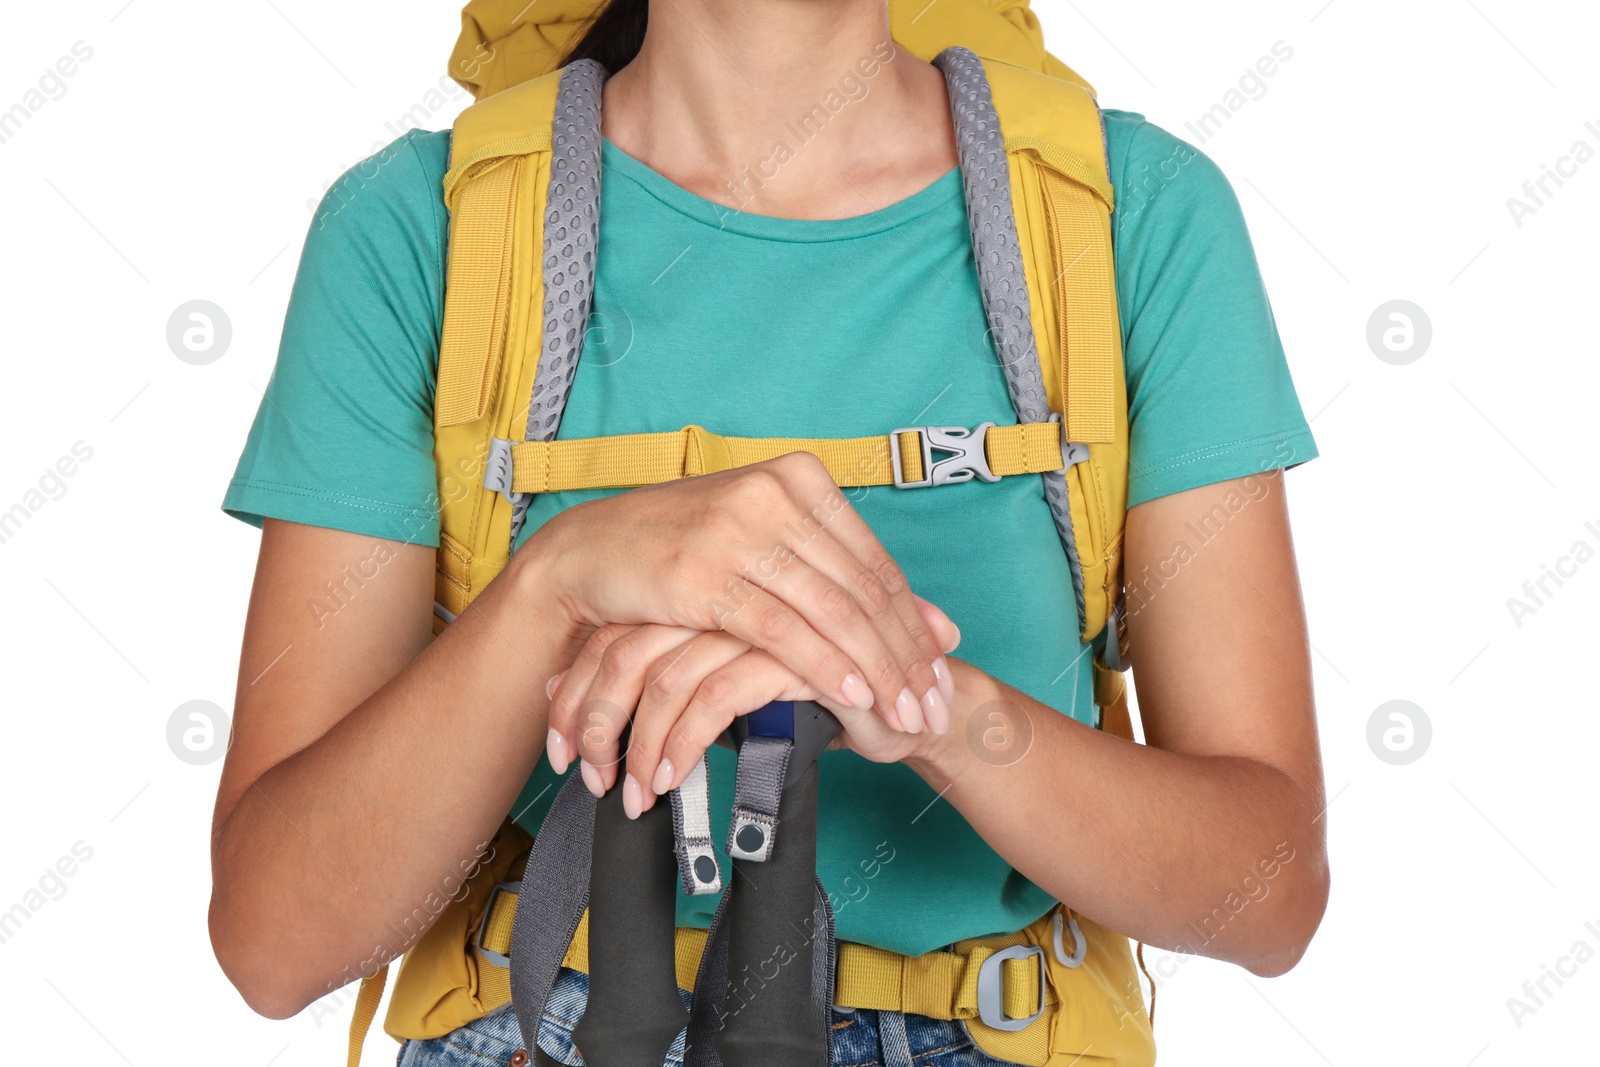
x=678, y=690
x=771, y=553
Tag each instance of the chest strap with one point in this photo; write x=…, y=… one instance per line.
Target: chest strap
x=907, y=458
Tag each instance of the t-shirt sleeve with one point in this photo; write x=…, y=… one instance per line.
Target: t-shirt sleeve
x=1209, y=392
x=344, y=434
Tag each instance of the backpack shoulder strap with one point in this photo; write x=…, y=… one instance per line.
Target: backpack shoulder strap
x=1062, y=198
x=508, y=152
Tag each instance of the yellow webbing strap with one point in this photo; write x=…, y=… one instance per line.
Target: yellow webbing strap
x=476, y=305
x=628, y=460
x=1065, y=163
x=460, y=169
x=1080, y=247
x=1111, y=694
x=366, y=1008
x=940, y=985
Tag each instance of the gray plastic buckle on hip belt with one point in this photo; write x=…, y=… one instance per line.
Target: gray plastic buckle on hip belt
x=991, y=986
x=964, y=458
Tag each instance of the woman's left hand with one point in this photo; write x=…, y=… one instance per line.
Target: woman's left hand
x=682, y=689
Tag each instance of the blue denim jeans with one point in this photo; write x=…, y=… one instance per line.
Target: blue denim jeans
x=861, y=1037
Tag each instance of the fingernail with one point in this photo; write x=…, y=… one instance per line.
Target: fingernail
x=632, y=797
x=957, y=629
x=555, y=749
x=856, y=693
x=550, y=686
x=905, y=705
x=936, y=711
x=941, y=674
x=591, y=778
x=663, y=779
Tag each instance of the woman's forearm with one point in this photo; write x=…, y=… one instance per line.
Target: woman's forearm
x=1217, y=856
x=337, y=858
x=374, y=769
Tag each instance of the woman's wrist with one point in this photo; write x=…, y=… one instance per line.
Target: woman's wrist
x=943, y=758
x=538, y=598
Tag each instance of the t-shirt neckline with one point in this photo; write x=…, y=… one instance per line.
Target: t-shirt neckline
x=938, y=194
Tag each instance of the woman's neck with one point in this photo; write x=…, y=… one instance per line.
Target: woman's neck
x=795, y=108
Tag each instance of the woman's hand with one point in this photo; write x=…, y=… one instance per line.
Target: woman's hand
x=682, y=689
x=774, y=555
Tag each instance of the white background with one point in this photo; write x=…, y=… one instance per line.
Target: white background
x=179, y=164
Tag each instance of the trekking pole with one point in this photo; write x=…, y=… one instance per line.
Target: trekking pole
x=779, y=989
x=634, y=1012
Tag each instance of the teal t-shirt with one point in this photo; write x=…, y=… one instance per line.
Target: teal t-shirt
x=756, y=326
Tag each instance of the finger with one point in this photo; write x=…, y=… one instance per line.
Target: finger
x=949, y=637
x=613, y=694
x=850, y=607
x=767, y=622
x=945, y=631
x=671, y=683
x=880, y=588
x=566, y=695
x=751, y=681
x=843, y=548
x=839, y=615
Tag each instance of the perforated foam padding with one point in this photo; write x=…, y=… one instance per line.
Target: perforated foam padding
x=571, y=241
x=986, y=178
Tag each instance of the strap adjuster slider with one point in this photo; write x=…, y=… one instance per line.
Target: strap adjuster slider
x=991, y=988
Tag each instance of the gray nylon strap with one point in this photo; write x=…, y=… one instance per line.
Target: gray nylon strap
x=757, y=792
x=825, y=960
x=707, y=1011
x=691, y=834
x=547, y=918
x=546, y=922
x=710, y=993
x=986, y=177
x=571, y=238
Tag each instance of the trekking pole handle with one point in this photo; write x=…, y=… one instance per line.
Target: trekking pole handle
x=810, y=725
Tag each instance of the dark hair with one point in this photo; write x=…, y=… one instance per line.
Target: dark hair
x=615, y=36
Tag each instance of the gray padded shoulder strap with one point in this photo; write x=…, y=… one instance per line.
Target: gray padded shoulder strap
x=571, y=240
x=986, y=178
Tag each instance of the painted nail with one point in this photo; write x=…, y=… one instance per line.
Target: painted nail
x=856, y=693
x=663, y=779
x=905, y=705
x=936, y=711
x=941, y=674
x=555, y=749
x=591, y=778
x=550, y=686
x=632, y=797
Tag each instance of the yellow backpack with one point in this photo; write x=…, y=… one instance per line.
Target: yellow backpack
x=522, y=191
